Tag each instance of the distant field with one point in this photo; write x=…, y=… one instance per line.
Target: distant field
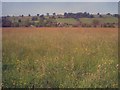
x=88, y=20
x=72, y=20
x=101, y=20
x=66, y=20
x=60, y=57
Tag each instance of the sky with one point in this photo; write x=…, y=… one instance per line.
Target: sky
x=33, y=8
x=60, y=0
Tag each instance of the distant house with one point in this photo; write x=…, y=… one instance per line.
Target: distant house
x=32, y=26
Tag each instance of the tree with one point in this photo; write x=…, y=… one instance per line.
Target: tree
x=100, y=16
x=42, y=17
x=38, y=15
x=19, y=20
x=91, y=16
x=47, y=14
x=108, y=14
x=22, y=15
x=29, y=15
x=98, y=13
x=34, y=18
x=54, y=14
x=6, y=22
x=116, y=15
x=65, y=14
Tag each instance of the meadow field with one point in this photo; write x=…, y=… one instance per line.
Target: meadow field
x=60, y=57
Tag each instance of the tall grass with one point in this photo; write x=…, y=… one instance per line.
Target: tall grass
x=60, y=57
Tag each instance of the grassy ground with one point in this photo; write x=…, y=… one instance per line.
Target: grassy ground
x=60, y=57
x=66, y=20
x=101, y=20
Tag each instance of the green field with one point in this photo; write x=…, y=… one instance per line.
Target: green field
x=60, y=57
x=66, y=20
x=88, y=20
x=101, y=20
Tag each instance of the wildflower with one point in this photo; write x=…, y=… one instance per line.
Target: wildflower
x=18, y=61
x=61, y=84
x=17, y=68
x=83, y=74
x=117, y=66
x=76, y=48
x=61, y=48
x=99, y=66
x=24, y=83
x=56, y=58
x=13, y=83
x=114, y=84
x=72, y=58
x=105, y=63
x=64, y=67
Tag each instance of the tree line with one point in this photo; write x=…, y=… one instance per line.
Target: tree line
x=50, y=20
